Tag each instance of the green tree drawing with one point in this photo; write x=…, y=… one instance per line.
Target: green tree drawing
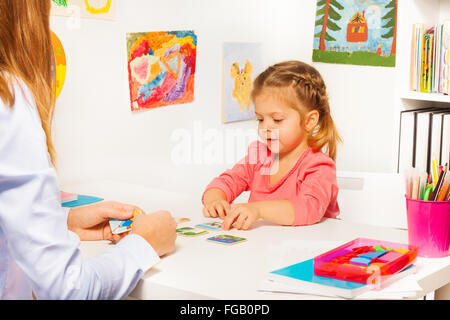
x=61, y=3
x=391, y=23
x=326, y=16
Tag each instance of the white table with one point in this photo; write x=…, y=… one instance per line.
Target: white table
x=198, y=269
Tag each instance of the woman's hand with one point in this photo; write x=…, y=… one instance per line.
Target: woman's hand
x=159, y=229
x=241, y=216
x=92, y=222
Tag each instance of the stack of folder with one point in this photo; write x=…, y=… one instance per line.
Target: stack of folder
x=423, y=132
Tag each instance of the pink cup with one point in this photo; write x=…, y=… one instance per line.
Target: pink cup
x=429, y=227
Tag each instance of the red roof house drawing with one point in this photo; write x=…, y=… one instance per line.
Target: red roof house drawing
x=357, y=30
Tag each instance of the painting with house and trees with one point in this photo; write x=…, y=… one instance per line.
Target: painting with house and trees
x=358, y=32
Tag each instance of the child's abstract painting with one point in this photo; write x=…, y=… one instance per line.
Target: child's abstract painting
x=161, y=68
x=92, y=9
x=359, y=32
x=241, y=64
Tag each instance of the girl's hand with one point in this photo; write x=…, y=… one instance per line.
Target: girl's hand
x=241, y=216
x=217, y=208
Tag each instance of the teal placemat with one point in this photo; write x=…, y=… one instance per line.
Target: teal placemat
x=82, y=201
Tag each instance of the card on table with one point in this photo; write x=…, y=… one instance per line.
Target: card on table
x=120, y=226
x=226, y=239
x=190, y=231
x=182, y=220
x=212, y=225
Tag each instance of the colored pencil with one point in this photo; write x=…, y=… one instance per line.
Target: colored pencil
x=434, y=170
x=443, y=191
x=438, y=186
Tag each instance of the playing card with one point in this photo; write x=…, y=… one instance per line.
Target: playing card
x=226, y=239
x=120, y=226
x=190, y=231
x=213, y=225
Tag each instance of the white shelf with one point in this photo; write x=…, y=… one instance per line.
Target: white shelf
x=421, y=96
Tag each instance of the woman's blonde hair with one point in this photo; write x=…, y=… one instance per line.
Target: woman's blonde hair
x=26, y=54
x=302, y=85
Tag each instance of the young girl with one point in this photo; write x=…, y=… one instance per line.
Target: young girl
x=292, y=182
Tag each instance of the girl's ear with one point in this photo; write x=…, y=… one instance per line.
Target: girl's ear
x=311, y=120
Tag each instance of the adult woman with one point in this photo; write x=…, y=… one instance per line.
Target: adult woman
x=38, y=239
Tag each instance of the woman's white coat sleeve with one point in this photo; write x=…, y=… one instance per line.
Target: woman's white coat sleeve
x=35, y=225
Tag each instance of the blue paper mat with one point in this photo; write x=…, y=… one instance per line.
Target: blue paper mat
x=304, y=271
x=82, y=201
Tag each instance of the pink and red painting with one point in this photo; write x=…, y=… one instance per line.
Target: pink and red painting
x=161, y=68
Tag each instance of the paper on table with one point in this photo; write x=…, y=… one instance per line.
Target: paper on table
x=402, y=288
x=293, y=251
x=277, y=287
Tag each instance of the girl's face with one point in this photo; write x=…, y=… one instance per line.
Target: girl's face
x=279, y=125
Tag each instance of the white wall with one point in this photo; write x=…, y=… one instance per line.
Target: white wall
x=97, y=136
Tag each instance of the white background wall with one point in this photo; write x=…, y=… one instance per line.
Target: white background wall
x=98, y=137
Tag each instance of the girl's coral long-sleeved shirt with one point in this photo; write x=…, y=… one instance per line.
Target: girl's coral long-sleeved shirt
x=310, y=185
